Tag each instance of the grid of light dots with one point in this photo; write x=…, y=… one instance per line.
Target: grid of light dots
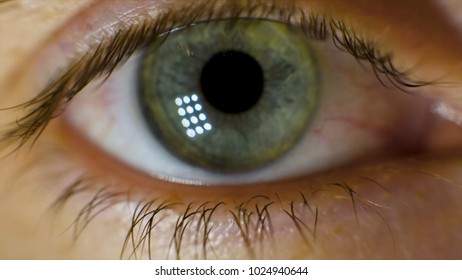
x=193, y=119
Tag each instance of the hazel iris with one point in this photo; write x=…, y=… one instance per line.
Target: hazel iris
x=230, y=95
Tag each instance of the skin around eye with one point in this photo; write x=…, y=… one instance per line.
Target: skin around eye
x=390, y=209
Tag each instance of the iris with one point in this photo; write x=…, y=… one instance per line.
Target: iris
x=230, y=95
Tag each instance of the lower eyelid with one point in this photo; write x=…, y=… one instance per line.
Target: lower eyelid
x=105, y=166
x=385, y=195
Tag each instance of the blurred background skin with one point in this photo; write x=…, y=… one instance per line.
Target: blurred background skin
x=30, y=230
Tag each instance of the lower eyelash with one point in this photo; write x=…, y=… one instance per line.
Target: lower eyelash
x=194, y=222
x=252, y=219
x=256, y=220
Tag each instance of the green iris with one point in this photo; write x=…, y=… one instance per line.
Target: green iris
x=230, y=95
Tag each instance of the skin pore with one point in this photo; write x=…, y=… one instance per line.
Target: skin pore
x=388, y=207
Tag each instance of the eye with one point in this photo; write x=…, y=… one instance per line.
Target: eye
x=362, y=176
x=239, y=101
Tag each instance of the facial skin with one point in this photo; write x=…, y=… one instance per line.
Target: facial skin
x=399, y=207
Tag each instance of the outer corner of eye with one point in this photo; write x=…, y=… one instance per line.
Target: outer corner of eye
x=220, y=103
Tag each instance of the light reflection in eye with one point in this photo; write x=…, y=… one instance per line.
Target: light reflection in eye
x=187, y=103
x=191, y=106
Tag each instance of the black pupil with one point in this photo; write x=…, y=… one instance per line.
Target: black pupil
x=232, y=81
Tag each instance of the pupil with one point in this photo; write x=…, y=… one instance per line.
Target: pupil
x=232, y=81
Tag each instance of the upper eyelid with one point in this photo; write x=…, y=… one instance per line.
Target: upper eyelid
x=102, y=18
x=108, y=54
x=391, y=23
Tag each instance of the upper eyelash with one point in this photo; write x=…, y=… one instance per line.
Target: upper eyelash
x=110, y=53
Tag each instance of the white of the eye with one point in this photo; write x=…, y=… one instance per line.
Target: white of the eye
x=143, y=151
x=119, y=128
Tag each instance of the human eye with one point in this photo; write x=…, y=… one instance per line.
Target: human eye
x=369, y=207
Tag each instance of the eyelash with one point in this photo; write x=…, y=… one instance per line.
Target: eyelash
x=252, y=217
x=49, y=103
x=111, y=53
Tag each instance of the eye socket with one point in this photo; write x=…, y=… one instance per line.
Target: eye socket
x=348, y=123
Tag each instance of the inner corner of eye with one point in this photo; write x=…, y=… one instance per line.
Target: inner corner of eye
x=222, y=98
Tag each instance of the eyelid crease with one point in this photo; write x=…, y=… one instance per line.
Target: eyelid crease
x=112, y=52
